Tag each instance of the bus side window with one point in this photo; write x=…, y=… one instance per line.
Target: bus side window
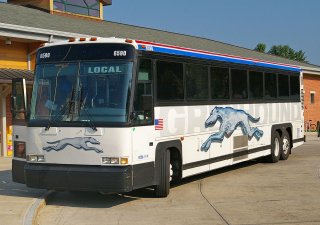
x=143, y=98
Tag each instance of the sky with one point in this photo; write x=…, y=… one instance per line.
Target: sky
x=244, y=23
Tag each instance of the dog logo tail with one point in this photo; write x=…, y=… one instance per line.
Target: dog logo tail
x=252, y=119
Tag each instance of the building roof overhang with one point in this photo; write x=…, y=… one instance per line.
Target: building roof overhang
x=6, y=75
x=106, y=2
x=35, y=34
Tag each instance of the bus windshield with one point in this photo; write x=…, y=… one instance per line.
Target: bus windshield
x=83, y=91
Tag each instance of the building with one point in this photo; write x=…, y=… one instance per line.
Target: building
x=25, y=24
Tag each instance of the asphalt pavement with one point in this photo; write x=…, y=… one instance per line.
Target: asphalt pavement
x=251, y=193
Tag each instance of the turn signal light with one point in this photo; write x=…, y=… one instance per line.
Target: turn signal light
x=123, y=161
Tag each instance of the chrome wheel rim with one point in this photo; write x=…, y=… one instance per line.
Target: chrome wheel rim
x=276, y=147
x=171, y=172
x=285, y=145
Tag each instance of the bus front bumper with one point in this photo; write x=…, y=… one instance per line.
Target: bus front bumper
x=109, y=179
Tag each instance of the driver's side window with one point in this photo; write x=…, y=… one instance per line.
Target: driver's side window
x=143, y=104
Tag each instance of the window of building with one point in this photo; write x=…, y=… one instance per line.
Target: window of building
x=312, y=94
x=239, y=84
x=270, y=85
x=82, y=7
x=170, y=81
x=219, y=83
x=197, y=82
x=256, y=85
x=283, y=86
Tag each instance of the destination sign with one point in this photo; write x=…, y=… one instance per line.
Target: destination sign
x=84, y=52
x=104, y=68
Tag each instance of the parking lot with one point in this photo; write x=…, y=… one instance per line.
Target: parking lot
x=250, y=193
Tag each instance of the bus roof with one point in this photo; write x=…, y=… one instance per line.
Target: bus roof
x=181, y=51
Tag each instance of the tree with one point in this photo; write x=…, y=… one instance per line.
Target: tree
x=284, y=51
x=261, y=47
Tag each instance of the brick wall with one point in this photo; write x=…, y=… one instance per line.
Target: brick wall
x=311, y=84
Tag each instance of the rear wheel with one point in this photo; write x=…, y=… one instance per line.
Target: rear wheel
x=276, y=148
x=163, y=187
x=286, y=146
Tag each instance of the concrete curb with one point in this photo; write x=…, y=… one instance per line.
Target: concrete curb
x=30, y=217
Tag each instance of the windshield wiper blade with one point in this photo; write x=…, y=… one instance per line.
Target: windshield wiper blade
x=58, y=116
x=85, y=109
x=90, y=121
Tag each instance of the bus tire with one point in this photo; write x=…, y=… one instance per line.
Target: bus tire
x=276, y=148
x=163, y=187
x=286, y=146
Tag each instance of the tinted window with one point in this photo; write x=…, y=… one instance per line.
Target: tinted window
x=197, y=82
x=170, y=81
x=143, y=97
x=219, y=83
x=283, y=86
x=256, y=85
x=239, y=84
x=270, y=82
x=294, y=87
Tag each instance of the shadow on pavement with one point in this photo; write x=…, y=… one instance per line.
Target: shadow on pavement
x=98, y=200
x=10, y=188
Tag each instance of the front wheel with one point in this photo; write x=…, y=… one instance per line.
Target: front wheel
x=163, y=187
x=286, y=146
x=276, y=148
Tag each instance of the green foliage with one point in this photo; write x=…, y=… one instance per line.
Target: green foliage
x=261, y=47
x=284, y=51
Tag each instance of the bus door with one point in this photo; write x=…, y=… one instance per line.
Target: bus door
x=143, y=133
x=19, y=102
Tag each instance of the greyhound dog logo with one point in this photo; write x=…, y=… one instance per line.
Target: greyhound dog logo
x=78, y=143
x=230, y=119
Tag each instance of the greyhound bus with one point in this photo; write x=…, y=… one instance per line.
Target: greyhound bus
x=113, y=115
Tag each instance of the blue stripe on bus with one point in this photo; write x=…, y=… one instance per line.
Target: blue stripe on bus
x=219, y=58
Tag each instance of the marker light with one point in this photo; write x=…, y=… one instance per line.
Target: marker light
x=129, y=40
x=93, y=39
x=82, y=39
x=72, y=39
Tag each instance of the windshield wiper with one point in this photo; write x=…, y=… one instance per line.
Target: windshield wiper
x=58, y=116
x=65, y=110
x=85, y=109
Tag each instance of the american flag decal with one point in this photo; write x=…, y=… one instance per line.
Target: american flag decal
x=158, y=124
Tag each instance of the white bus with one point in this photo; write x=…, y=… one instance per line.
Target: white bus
x=114, y=115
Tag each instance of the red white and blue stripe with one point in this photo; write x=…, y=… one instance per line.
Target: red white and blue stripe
x=181, y=51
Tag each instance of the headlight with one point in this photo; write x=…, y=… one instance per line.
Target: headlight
x=114, y=161
x=35, y=158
